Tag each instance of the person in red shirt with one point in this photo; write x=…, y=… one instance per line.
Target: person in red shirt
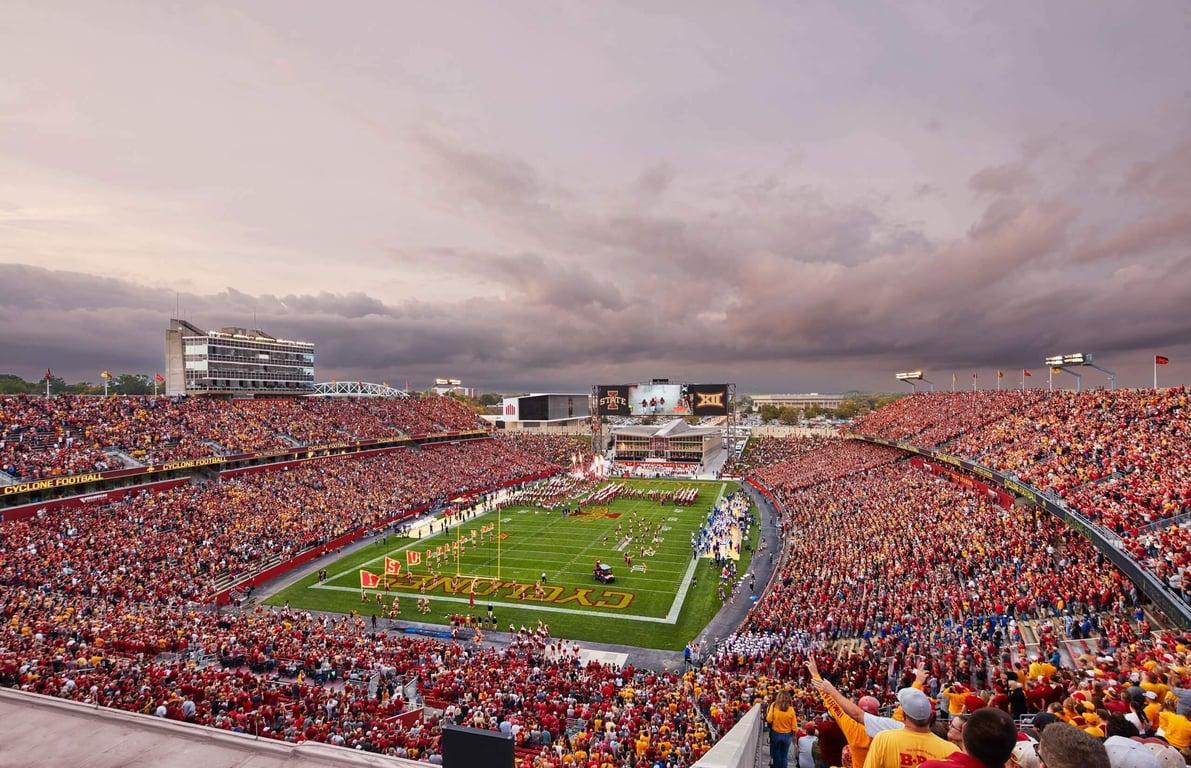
x=989, y=739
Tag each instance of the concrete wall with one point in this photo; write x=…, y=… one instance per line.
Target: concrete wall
x=45, y=731
x=738, y=747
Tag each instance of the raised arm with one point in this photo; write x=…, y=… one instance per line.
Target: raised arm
x=848, y=706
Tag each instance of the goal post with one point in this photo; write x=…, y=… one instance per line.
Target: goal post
x=478, y=537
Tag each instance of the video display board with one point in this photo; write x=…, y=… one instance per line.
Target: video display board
x=662, y=399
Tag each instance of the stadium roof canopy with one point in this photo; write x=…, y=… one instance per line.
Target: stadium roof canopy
x=675, y=428
x=41, y=730
x=356, y=389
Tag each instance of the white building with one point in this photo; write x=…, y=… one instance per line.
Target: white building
x=235, y=361
x=453, y=387
x=802, y=401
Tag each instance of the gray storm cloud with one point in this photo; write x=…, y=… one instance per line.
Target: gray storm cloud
x=791, y=196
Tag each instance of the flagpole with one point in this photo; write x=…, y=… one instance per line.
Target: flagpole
x=1155, y=372
x=498, y=543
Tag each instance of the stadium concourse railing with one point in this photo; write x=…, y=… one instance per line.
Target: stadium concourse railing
x=23, y=499
x=1102, y=538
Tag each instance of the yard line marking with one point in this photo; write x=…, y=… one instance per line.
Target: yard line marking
x=680, y=597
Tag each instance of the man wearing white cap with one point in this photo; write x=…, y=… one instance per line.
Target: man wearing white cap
x=913, y=744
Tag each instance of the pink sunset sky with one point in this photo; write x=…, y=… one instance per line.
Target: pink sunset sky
x=792, y=196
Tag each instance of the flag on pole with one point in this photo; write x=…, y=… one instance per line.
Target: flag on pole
x=1056, y=370
x=48, y=375
x=105, y=375
x=1158, y=360
x=158, y=378
x=392, y=567
x=413, y=557
x=368, y=580
x=1026, y=372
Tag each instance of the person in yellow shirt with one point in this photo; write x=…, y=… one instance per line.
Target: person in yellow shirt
x=915, y=743
x=1176, y=728
x=1151, y=682
x=955, y=694
x=857, y=737
x=1040, y=669
x=1152, y=707
x=783, y=720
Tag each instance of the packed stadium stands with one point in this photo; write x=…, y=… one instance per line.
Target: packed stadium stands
x=1122, y=458
x=46, y=437
x=881, y=565
x=563, y=450
x=932, y=418
x=177, y=544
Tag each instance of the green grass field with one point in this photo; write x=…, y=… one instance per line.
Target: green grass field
x=663, y=607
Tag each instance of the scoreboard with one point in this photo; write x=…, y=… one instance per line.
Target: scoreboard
x=662, y=399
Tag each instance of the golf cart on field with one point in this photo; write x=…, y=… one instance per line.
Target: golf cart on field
x=603, y=574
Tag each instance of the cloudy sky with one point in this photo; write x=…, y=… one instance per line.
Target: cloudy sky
x=793, y=196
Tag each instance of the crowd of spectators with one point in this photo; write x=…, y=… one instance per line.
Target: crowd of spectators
x=1166, y=552
x=909, y=564
x=891, y=568
x=882, y=567
x=1119, y=458
x=933, y=418
x=766, y=451
x=292, y=676
x=822, y=459
x=52, y=436
x=564, y=450
x=151, y=548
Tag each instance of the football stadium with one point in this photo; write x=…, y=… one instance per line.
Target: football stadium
x=488, y=385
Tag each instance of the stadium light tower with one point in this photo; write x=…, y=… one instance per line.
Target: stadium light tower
x=910, y=377
x=1078, y=360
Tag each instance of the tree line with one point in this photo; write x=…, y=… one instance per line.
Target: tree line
x=120, y=384
x=852, y=407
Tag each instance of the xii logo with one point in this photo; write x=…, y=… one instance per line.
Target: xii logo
x=709, y=400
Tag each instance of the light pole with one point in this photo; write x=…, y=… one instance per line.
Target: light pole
x=909, y=377
x=1065, y=363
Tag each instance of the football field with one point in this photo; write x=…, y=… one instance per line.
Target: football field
x=661, y=601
